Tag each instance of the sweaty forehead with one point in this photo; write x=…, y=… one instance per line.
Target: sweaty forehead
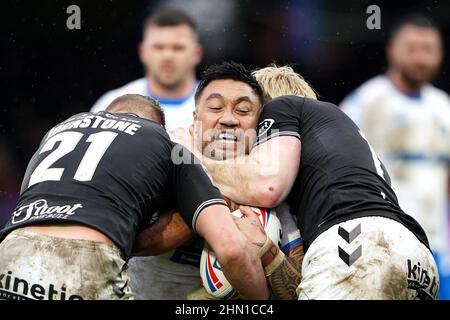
x=229, y=90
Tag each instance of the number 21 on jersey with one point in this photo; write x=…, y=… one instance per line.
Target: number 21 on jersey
x=99, y=143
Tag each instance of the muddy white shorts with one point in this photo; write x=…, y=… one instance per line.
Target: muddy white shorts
x=368, y=258
x=41, y=267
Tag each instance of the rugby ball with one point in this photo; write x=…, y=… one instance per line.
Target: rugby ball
x=213, y=279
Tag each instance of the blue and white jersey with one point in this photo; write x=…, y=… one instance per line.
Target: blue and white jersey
x=179, y=112
x=411, y=136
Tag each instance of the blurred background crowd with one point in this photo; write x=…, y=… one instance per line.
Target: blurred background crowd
x=49, y=72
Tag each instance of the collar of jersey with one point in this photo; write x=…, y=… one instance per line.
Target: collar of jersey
x=415, y=95
x=172, y=102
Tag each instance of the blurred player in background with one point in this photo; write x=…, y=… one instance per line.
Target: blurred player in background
x=169, y=51
x=407, y=121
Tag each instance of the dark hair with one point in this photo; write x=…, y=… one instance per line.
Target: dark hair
x=135, y=103
x=168, y=17
x=415, y=19
x=232, y=71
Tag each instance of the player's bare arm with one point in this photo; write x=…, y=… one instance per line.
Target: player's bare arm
x=167, y=233
x=264, y=177
x=238, y=258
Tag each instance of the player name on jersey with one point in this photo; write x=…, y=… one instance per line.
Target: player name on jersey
x=109, y=121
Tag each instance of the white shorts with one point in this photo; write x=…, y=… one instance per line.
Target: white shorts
x=159, y=278
x=368, y=258
x=41, y=267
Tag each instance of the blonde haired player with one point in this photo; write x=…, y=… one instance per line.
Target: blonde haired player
x=281, y=81
x=358, y=242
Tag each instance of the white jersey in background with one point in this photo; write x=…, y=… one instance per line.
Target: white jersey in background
x=178, y=112
x=411, y=135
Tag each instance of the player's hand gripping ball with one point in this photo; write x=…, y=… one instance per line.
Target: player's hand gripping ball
x=213, y=278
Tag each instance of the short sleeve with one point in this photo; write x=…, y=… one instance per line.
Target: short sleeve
x=280, y=117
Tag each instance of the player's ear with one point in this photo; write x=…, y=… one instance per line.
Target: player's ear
x=140, y=51
x=198, y=54
x=389, y=50
x=261, y=107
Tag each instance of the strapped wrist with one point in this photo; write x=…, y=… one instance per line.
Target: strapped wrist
x=274, y=264
x=266, y=247
x=271, y=257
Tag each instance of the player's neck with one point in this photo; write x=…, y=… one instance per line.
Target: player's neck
x=183, y=89
x=403, y=85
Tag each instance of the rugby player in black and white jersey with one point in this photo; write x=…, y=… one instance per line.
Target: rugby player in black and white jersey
x=96, y=181
x=359, y=243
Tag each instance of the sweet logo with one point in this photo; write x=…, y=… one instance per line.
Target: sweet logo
x=264, y=126
x=40, y=209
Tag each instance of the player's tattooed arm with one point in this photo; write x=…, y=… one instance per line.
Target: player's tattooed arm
x=283, y=272
x=285, y=279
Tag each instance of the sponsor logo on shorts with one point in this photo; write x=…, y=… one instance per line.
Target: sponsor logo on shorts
x=350, y=257
x=15, y=288
x=422, y=281
x=39, y=209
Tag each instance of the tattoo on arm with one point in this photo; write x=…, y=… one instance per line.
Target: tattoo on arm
x=286, y=278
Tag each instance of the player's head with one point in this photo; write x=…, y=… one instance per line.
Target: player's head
x=414, y=49
x=170, y=49
x=228, y=103
x=281, y=81
x=142, y=106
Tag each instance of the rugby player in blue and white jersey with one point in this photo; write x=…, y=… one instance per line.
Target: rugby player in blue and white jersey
x=229, y=102
x=169, y=51
x=407, y=121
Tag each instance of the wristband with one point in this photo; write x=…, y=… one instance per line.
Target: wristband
x=276, y=262
x=266, y=246
x=271, y=257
